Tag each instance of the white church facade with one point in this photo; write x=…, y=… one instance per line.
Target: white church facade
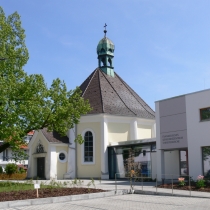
x=119, y=120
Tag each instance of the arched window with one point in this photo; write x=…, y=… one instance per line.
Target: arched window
x=88, y=147
x=103, y=61
x=110, y=62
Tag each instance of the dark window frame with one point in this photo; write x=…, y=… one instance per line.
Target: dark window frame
x=62, y=156
x=88, y=147
x=206, y=119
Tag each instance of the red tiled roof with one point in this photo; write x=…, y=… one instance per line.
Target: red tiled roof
x=31, y=133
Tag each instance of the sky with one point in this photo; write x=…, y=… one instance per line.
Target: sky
x=162, y=47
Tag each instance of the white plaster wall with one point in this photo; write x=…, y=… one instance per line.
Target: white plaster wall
x=93, y=170
x=160, y=153
x=32, y=170
x=61, y=167
x=118, y=132
x=172, y=165
x=144, y=131
x=198, y=132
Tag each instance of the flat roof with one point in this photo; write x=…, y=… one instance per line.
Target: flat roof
x=183, y=95
x=142, y=141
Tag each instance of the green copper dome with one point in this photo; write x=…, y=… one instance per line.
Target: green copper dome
x=105, y=46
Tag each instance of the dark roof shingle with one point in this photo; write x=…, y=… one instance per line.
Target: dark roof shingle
x=54, y=137
x=112, y=95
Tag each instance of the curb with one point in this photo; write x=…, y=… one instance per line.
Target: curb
x=145, y=192
x=38, y=201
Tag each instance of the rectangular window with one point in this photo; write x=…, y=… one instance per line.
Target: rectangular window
x=205, y=114
x=206, y=160
x=183, y=155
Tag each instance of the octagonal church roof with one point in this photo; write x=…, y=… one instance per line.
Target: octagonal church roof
x=112, y=95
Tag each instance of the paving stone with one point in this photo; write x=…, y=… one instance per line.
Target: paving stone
x=130, y=202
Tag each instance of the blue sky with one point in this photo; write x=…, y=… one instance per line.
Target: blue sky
x=162, y=47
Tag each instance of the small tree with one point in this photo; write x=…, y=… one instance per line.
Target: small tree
x=11, y=168
x=132, y=168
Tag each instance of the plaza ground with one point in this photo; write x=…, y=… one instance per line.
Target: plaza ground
x=130, y=201
x=179, y=200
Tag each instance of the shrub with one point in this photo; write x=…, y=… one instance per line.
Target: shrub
x=11, y=168
x=200, y=182
x=21, y=171
x=1, y=170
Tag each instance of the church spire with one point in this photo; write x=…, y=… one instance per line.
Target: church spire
x=105, y=31
x=105, y=51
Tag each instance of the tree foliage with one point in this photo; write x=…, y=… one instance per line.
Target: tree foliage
x=26, y=103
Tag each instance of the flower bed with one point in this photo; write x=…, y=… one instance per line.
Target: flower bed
x=199, y=185
x=45, y=193
x=193, y=187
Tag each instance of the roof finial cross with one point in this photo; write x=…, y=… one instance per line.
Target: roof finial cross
x=105, y=30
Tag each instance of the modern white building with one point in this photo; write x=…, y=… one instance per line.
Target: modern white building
x=183, y=135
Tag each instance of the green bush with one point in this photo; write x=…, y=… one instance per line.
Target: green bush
x=1, y=170
x=11, y=168
x=21, y=171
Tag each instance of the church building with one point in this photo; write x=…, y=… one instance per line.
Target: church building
x=120, y=120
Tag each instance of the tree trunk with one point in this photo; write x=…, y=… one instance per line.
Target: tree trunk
x=4, y=146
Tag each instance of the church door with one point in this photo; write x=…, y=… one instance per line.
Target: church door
x=41, y=167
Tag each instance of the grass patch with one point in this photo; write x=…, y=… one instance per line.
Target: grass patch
x=14, y=186
x=9, y=186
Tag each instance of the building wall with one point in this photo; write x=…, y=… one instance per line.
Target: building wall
x=198, y=132
x=144, y=131
x=32, y=170
x=154, y=164
x=89, y=170
x=183, y=117
x=172, y=168
x=61, y=167
x=6, y=157
x=118, y=132
x=110, y=130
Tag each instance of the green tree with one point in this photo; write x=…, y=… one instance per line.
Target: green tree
x=26, y=103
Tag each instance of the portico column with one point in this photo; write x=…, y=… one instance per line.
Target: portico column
x=133, y=130
x=104, y=150
x=53, y=162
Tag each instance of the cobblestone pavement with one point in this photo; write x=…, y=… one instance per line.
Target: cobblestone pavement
x=127, y=202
